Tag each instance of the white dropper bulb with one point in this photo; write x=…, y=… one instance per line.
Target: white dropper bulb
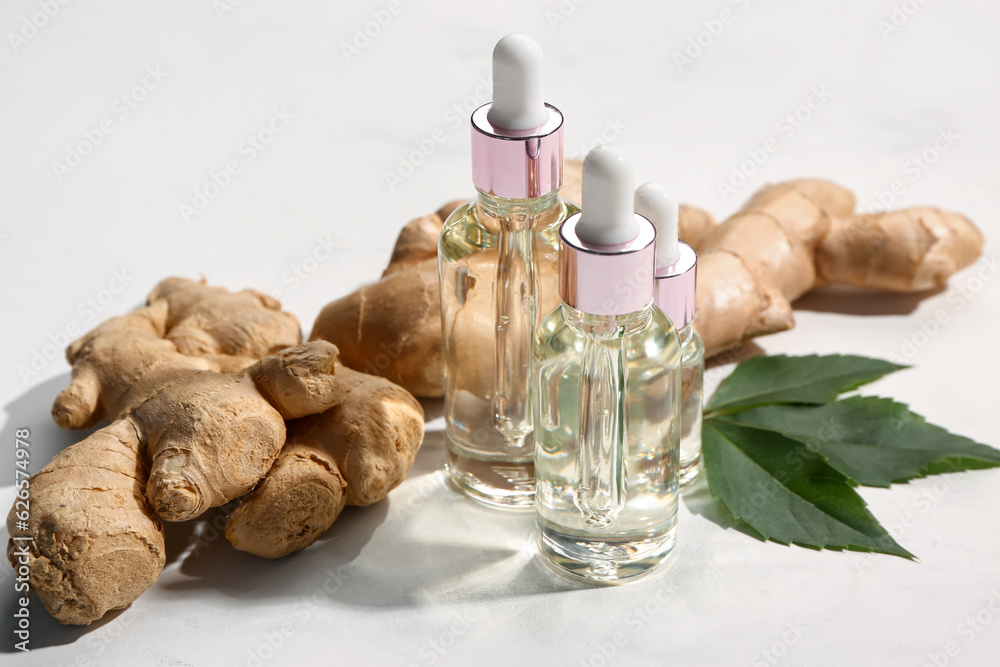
x=658, y=204
x=518, y=103
x=608, y=182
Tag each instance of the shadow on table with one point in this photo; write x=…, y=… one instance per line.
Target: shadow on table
x=699, y=500
x=33, y=410
x=846, y=300
x=45, y=630
x=433, y=408
x=747, y=350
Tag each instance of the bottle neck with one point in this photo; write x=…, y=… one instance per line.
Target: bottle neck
x=685, y=332
x=517, y=214
x=607, y=326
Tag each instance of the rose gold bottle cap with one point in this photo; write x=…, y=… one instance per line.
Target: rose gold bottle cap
x=676, y=261
x=607, y=252
x=517, y=141
x=676, y=287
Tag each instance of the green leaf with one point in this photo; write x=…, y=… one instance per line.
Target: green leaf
x=787, y=493
x=812, y=379
x=874, y=441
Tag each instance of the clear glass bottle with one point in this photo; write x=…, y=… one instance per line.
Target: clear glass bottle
x=607, y=398
x=497, y=260
x=692, y=392
x=676, y=280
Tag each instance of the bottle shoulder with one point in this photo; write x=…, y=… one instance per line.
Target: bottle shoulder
x=655, y=341
x=693, y=348
x=471, y=214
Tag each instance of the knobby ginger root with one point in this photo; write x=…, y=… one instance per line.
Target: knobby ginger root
x=392, y=327
x=212, y=436
x=907, y=251
x=354, y=454
x=96, y=541
x=96, y=545
x=185, y=435
x=186, y=326
x=794, y=236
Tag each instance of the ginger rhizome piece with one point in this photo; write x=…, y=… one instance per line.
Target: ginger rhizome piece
x=198, y=421
x=392, y=328
x=209, y=437
x=97, y=542
x=187, y=325
x=794, y=236
x=96, y=545
x=786, y=240
x=353, y=454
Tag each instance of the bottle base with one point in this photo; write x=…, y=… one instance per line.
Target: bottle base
x=689, y=470
x=610, y=561
x=508, y=485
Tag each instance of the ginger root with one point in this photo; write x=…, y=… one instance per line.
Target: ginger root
x=210, y=436
x=392, y=328
x=794, y=236
x=187, y=435
x=96, y=543
x=186, y=326
x=353, y=454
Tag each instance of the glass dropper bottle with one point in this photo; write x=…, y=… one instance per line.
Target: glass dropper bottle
x=676, y=280
x=497, y=258
x=607, y=392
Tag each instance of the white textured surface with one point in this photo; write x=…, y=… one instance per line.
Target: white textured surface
x=427, y=578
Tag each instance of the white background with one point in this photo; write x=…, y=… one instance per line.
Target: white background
x=427, y=577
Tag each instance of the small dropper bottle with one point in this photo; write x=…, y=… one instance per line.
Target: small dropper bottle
x=607, y=392
x=676, y=277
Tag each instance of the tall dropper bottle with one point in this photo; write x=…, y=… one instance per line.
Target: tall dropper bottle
x=497, y=258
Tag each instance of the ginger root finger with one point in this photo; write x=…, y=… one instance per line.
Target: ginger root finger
x=96, y=544
x=694, y=225
x=300, y=380
x=187, y=326
x=793, y=236
x=418, y=239
x=373, y=434
x=363, y=447
x=299, y=499
x=908, y=251
x=212, y=436
x=737, y=307
x=120, y=362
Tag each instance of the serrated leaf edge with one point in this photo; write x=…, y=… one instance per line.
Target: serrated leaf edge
x=848, y=547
